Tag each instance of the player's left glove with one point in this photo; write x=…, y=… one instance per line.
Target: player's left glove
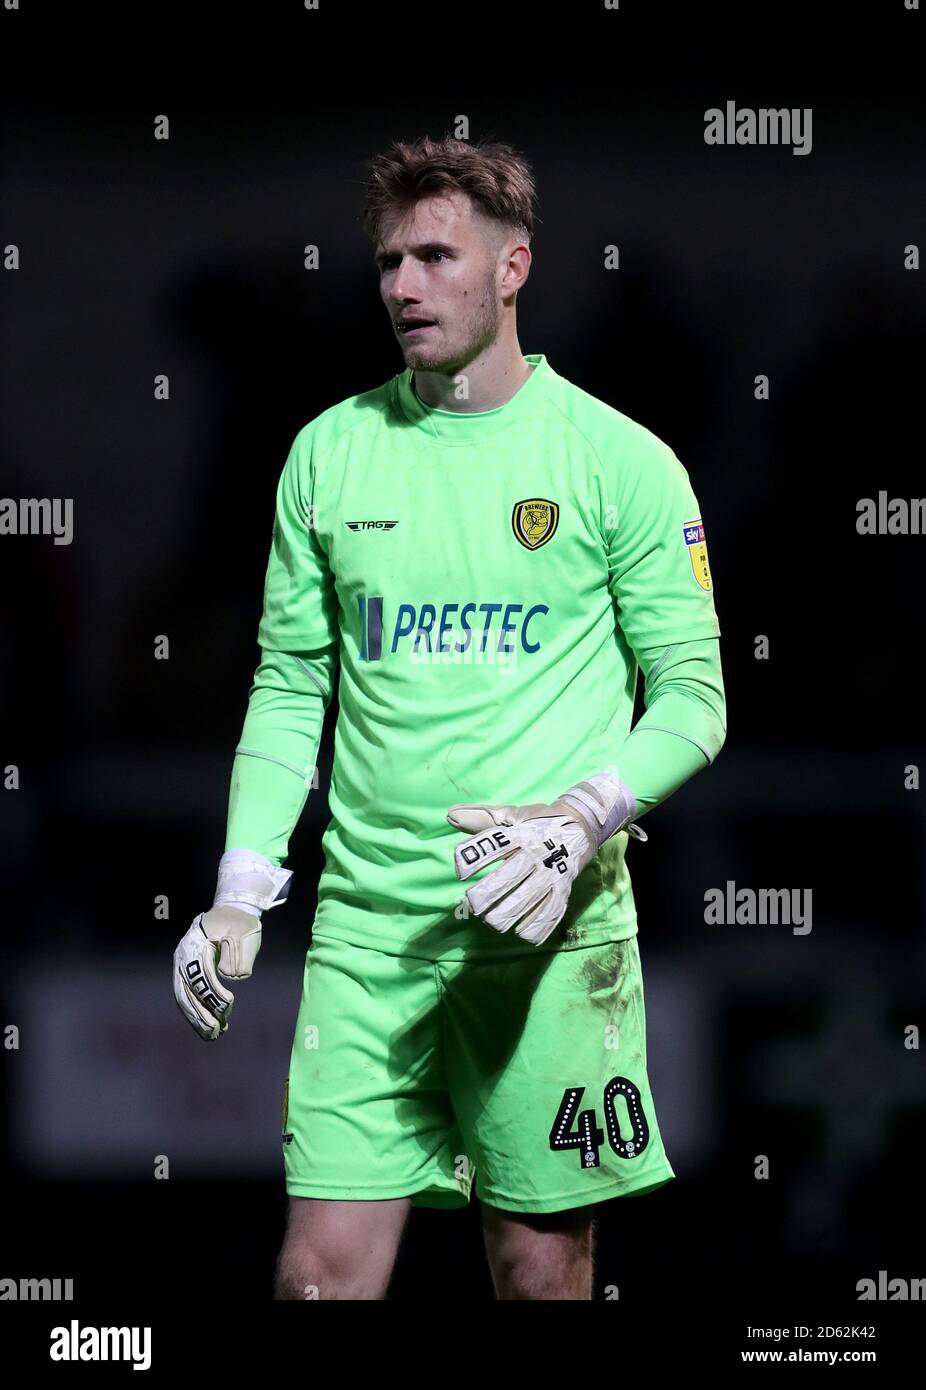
x=545, y=848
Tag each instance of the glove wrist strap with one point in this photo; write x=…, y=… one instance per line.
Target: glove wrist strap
x=604, y=805
x=249, y=880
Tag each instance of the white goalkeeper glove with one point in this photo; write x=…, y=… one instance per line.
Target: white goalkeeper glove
x=226, y=937
x=545, y=850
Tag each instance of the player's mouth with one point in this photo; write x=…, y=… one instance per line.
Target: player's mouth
x=414, y=328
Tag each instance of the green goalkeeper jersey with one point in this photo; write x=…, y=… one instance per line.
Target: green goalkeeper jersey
x=486, y=580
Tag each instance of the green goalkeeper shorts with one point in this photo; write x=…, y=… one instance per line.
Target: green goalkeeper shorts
x=525, y=1073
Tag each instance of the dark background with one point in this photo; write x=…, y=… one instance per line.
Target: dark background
x=142, y=257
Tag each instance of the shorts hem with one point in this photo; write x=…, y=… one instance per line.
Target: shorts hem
x=564, y=1201
x=422, y=1197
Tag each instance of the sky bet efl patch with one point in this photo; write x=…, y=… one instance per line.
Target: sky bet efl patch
x=693, y=532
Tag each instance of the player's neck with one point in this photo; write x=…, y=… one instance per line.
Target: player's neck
x=487, y=390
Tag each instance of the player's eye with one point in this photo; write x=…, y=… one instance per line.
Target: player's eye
x=389, y=262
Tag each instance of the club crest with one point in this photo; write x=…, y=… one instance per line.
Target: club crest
x=534, y=521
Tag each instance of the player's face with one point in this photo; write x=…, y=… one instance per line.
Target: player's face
x=438, y=264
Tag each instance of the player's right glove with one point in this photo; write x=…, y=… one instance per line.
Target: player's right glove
x=226, y=939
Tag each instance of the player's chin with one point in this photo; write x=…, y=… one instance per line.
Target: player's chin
x=425, y=351
x=423, y=360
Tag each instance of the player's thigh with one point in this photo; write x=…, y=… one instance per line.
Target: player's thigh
x=545, y=1255
x=556, y=1237
x=333, y=1246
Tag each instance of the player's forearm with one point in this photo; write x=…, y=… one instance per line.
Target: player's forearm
x=684, y=725
x=276, y=756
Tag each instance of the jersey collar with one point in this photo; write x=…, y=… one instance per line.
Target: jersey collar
x=468, y=427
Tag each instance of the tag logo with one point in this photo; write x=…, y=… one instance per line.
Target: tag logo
x=534, y=521
x=371, y=525
x=693, y=531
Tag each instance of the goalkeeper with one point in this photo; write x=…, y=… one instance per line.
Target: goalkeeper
x=484, y=587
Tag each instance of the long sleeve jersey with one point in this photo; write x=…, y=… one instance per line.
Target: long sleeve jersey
x=485, y=588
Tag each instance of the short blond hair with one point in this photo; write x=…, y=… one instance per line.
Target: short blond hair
x=496, y=177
